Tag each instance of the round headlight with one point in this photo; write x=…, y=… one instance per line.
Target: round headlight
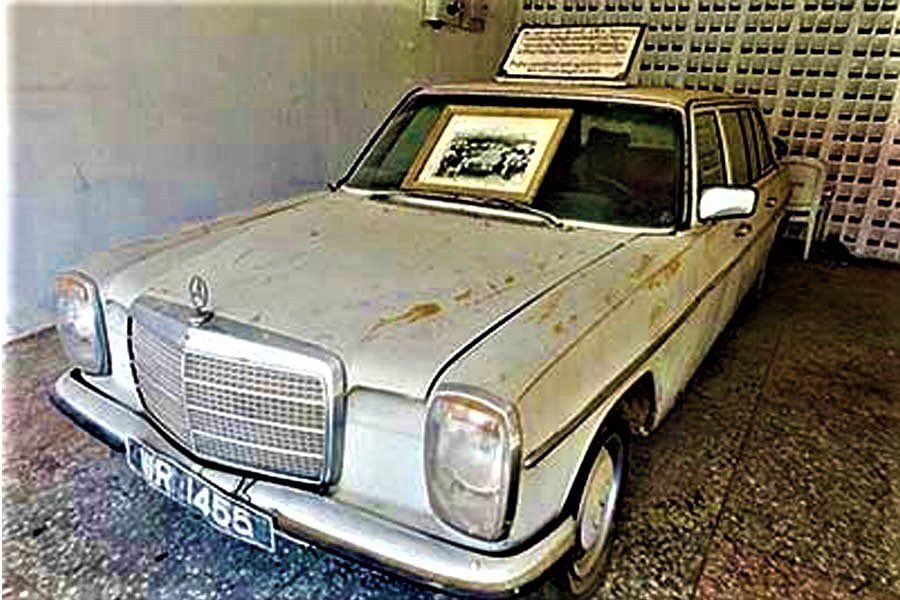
x=472, y=454
x=80, y=323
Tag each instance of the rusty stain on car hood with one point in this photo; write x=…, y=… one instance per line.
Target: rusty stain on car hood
x=393, y=290
x=415, y=313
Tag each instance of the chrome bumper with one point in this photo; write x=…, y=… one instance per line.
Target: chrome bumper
x=308, y=517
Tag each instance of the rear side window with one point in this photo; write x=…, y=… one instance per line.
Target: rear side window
x=710, y=162
x=736, y=147
x=752, y=144
x=766, y=160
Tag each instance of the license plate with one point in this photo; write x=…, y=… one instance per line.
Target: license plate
x=223, y=513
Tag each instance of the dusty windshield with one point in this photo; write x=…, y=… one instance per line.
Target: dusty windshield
x=615, y=163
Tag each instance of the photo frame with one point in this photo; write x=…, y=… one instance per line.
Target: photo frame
x=487, y=151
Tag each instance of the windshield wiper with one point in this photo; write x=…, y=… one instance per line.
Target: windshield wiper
x=495, y=201
x=549, y=218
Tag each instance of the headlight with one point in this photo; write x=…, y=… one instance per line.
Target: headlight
x=472, y=453
x=79, y=321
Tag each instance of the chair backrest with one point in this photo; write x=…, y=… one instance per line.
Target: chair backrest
x=807, y=177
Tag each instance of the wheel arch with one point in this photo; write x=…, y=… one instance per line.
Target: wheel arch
x=632, y=406
x=638, y=405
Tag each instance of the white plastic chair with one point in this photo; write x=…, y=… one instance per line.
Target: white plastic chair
x=806, y=205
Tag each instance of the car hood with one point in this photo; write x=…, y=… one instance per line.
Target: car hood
x=394, y=290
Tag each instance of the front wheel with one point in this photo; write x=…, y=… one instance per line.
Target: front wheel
x=595, y=519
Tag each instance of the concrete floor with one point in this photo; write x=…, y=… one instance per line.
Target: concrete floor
x=777, y=476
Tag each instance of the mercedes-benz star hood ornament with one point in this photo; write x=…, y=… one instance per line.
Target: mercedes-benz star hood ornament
x=201, y=300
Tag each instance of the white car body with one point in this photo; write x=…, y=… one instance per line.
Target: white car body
x=409, y=297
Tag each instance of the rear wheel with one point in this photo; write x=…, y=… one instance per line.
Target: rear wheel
x=595, y=519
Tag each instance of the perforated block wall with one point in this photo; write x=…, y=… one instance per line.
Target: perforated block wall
x=825, y=73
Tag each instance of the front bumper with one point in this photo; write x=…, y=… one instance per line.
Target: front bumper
x=308, y=517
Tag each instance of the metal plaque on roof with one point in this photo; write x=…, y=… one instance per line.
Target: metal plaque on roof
x=595, y=53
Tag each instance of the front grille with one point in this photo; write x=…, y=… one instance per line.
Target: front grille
x=157, y=364
x=222, y=408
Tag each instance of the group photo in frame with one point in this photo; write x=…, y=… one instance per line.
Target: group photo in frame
x=488, y=151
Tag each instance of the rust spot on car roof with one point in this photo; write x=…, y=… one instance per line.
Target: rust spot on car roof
x=415, y=313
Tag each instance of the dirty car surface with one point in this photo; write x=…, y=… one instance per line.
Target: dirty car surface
x=441, y=384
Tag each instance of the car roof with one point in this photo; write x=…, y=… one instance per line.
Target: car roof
x=662, y=95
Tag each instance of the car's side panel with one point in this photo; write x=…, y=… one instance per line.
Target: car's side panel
x=714, y=305
x=717, y=277
x=748, y=241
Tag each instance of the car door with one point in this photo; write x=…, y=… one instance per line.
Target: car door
x=704, y=294
x=773, y=188
x=724, y=241
x=745, y=158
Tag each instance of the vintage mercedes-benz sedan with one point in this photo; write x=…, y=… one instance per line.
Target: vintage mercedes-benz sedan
x=434, y=369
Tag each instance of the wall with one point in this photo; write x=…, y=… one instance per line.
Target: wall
x=825, y=73
x=128, y=120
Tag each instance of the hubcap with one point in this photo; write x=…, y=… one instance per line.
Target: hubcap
x=598, y=505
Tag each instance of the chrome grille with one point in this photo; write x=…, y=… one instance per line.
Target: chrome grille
x=157, y=364
x=226, y=409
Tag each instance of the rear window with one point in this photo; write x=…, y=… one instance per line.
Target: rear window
x=617, y=163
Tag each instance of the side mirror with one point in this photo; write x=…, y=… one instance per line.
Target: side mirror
x=726, y=203
x=781, y=148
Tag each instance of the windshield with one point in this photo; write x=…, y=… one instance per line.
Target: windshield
x=616, y=163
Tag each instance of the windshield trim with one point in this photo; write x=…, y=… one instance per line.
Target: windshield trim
x=410, y=198
x=405, y=100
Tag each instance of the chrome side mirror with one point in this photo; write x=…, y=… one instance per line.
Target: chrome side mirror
x=726, y=203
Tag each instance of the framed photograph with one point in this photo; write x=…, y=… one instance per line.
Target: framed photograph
x=488, y=151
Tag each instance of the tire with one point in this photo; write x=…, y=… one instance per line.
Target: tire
x=596, y=512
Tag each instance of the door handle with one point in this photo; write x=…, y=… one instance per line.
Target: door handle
x=771, y=201
x=743, y=229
